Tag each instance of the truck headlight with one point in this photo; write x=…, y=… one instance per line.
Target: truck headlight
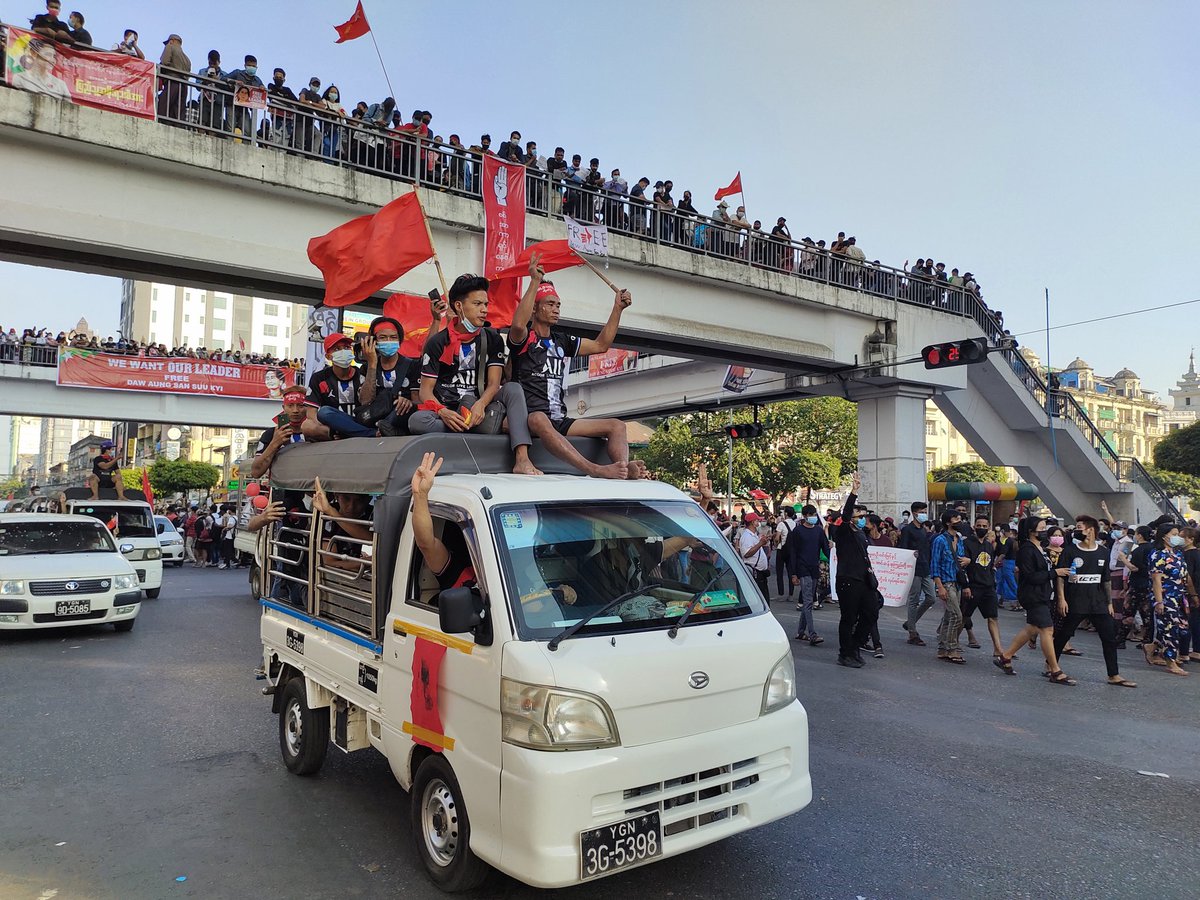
x=780, y=689
x=153, y=553
x=125, y=582
x=544, y=718
x=12, y=586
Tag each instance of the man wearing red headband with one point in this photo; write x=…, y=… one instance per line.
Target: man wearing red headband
x=288, y=429
x=539, y=353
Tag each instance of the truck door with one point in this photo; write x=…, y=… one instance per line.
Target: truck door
x=443, y=691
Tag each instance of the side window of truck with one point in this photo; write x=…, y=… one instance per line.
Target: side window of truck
x=425, y=585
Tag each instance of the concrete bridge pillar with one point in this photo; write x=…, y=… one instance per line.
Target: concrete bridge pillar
x=891, y=446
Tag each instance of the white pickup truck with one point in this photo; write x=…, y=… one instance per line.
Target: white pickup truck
x=58, y=570
x=607, y=690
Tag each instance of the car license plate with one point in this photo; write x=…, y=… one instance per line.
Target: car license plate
x=601, y=850
x=72, y=607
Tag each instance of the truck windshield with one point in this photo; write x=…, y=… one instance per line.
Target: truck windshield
x=122, y=521
x=566, y=560
x=34, y=538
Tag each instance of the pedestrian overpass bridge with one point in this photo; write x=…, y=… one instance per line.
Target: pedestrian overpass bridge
x=173, y=205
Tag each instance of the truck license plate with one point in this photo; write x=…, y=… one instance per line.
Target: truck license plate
x=72, y=607
x=602, y=850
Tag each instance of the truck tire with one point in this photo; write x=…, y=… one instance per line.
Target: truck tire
x=254, y=574
x=152, y=593
x=441, y=828
x=124, y=625
x=303, y=732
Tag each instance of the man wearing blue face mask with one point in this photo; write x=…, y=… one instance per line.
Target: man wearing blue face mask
x=398, y=377
x=805, y=544
x=242, y=118
x=855, y=582
x=915, y=536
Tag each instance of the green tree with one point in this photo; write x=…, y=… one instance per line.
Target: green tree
x=1177, y=484
x=674, y=452
x=178, y=476
x=826, y=425
x=968, y=471
x=1179, y=451
x=132, y=479
x=14, y=486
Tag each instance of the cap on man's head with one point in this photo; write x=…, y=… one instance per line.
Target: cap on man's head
x=723, y=204
x=334, y=340
x=173, y=37
x=752, y=517
x=106, y=445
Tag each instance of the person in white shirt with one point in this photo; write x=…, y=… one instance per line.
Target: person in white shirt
x=753, y=548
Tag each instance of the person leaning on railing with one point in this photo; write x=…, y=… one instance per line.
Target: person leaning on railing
x=172, y=89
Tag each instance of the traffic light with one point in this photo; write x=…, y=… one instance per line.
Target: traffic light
x=955, y=353
x=744, y=431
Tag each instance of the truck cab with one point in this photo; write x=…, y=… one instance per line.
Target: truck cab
x=592, y=683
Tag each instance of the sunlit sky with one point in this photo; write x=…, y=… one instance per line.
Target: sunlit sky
x=1040, y=145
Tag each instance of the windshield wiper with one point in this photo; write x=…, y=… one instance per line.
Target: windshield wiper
x=570, y=630
x=674, y=629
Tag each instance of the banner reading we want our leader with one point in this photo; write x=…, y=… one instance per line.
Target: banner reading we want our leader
x=90, y=78
x=171, y=375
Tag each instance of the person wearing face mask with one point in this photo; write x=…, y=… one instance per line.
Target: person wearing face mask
x=281, y=99
x=805, y=545
x=341, y=388
x=306, y=125
x=945, y=561
x=241, y=118
x=980, y=593
x=915, y=536
x=461, y=370
x=1121, y=545
x=1006, y=574
x=855, y=582
x=1084, y=592
x=1034, y=585
x=398, y=378
x=332, y=124
x=1169, y=586
x=1055, y=541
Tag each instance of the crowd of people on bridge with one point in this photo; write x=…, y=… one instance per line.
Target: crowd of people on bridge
x=39, y=346
x=317, y=120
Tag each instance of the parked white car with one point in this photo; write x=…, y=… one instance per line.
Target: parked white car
x=170, y=540
x=59, y=570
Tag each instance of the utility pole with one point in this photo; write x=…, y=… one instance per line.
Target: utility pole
x=729, y=493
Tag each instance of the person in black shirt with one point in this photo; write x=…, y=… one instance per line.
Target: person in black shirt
x=981, y=581
x=288, y=429
x=340, y=388
x=539, y=353
x=1084, y=593
x=399, y=377
x=80, y=36
x=461, y=390
x=106, y=472
x=857, y=587
x=1138, y=569
x=48, y=24
x=915, y=536
x=281, y=97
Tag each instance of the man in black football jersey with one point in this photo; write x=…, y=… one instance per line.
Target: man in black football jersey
x=461, y=371
x=340, y=388
x=540, y=350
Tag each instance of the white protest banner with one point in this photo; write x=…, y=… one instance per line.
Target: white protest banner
x=892, y=566
x=584, y=238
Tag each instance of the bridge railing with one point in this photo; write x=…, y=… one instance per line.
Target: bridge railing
x=28, y=355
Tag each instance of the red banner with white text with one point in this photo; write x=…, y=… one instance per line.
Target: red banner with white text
x=614, y=362
x=90, y=78
x=503, y=214
x=171, y=375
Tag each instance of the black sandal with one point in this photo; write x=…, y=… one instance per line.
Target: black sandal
x=1061, y=677
x=1004, y=664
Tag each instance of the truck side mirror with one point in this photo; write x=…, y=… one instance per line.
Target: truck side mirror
x=461, y=610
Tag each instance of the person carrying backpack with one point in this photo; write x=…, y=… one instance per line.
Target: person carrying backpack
x=204, y=540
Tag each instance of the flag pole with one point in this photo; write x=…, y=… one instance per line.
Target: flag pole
x=603, y=277
x=429, y=231
x=391, y=92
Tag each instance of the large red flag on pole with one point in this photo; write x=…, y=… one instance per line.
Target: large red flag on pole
x=503, y=187
x=369, y=253
x=146, y=488
x=354, y=27
x=505, y=283
x=735, y=187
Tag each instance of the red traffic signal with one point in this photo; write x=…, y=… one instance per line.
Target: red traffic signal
x=744, y=431
x=955, y=353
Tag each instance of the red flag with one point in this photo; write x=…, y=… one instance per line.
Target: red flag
x=241, y=344
x=423, y=701
x=412, y=312
x=146, y=489
x=505, y=288
x=354, y=27
x=370, y=252
x=735, y=187
x=503, y=186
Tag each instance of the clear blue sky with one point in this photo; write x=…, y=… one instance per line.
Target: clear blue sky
x=1036, y=144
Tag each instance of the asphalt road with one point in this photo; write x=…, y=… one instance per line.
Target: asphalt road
x=132, y=760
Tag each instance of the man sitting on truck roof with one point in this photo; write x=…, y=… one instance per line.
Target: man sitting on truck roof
x=341, y=388
x=398, y=377
x=288, y=429
x=539, y=353
x=106, y=472
x=461, y=371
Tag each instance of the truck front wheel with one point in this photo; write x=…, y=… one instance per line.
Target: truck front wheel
x=303, y=732
x=441, y=829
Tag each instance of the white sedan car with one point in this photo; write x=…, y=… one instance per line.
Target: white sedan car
x=170, y=540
